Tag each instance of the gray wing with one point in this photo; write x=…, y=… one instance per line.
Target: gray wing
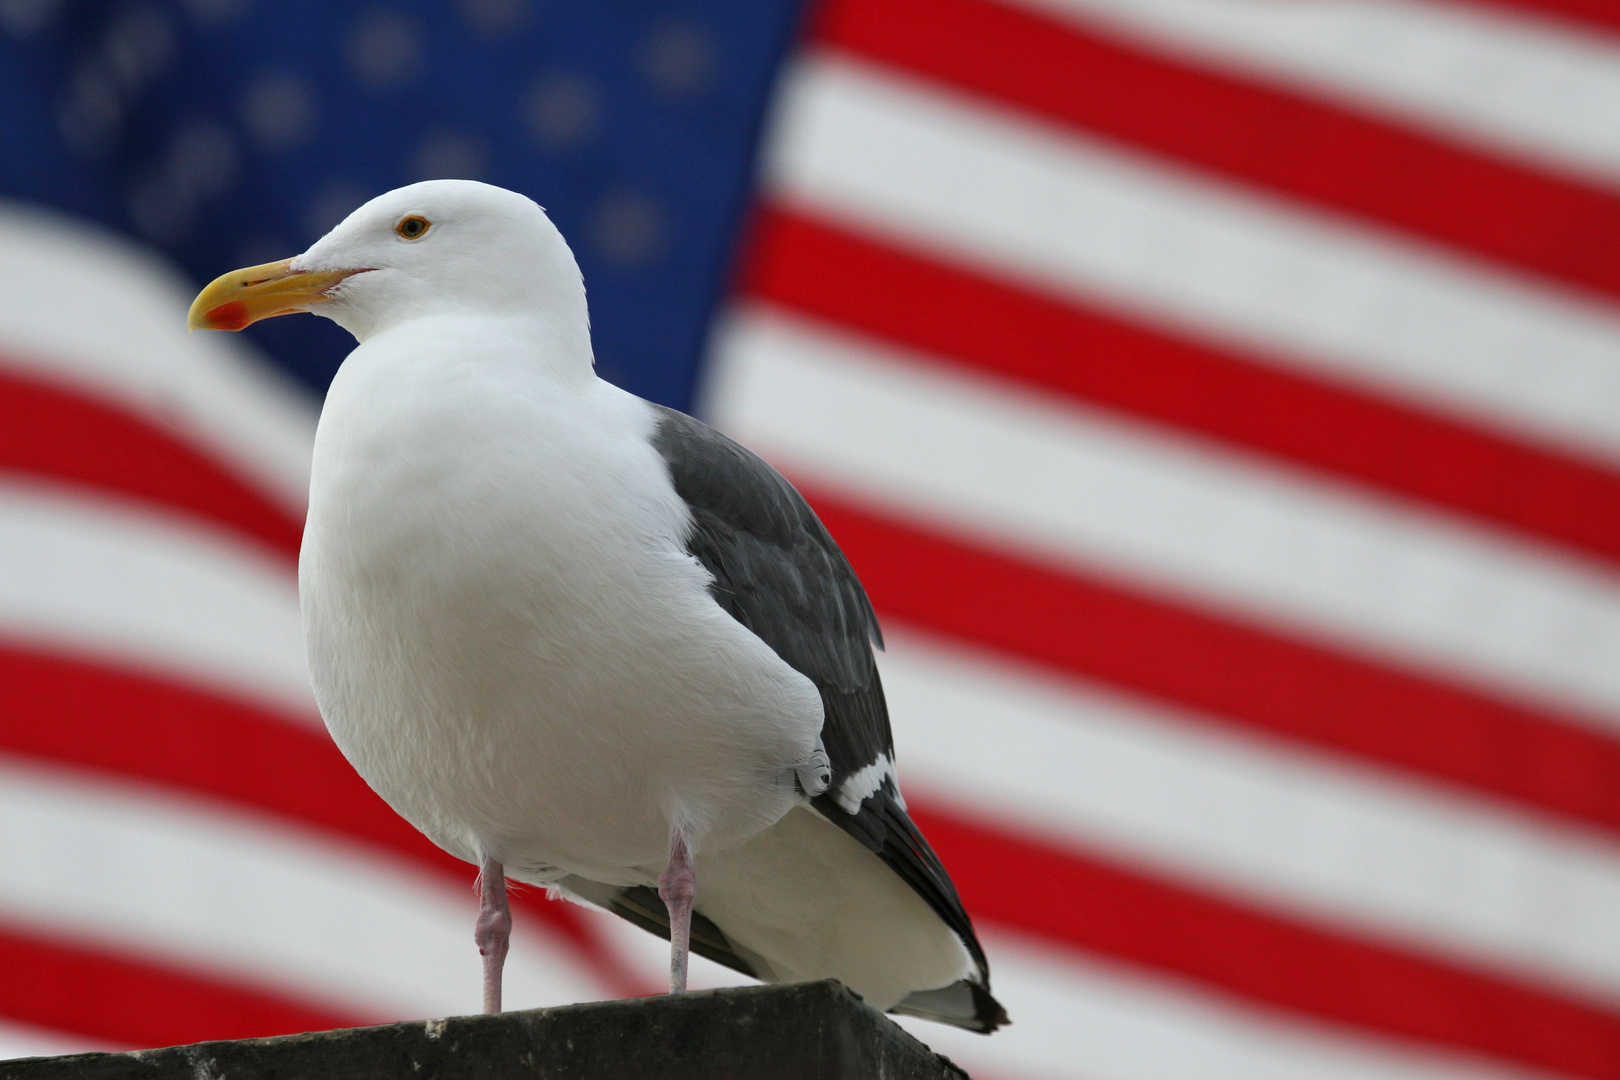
x=778, y=572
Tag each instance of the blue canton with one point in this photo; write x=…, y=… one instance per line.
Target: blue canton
x=231, y=132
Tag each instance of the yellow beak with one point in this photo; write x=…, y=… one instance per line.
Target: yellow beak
x=241, y=297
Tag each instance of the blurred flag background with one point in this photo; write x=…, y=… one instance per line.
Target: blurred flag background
x=1219, y=398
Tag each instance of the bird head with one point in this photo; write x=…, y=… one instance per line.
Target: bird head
x=440, y=246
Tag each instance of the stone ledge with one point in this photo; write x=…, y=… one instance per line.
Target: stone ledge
x=807, y=1031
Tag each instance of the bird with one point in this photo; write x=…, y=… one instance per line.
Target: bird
x=584, y=641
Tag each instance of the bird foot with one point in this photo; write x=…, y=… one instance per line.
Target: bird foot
x=493, y=931
x=677, y=886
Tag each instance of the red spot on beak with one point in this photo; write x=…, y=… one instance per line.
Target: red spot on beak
x=231, y=316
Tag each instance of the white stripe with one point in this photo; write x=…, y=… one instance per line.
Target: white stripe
x=87, y=308
x=991, y=187
x=1243, y=816
x=1077, y=1016
x=26, y=1040
x=1530, y=87
x=92, y=576
x=1074, y=486
x=243, y=899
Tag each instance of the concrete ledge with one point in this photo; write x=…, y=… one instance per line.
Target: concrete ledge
x=809, y=1031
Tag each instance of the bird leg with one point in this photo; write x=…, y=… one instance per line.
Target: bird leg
x=677, y=886
x=493, y=931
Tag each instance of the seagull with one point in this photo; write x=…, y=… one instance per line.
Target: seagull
x=587, y=642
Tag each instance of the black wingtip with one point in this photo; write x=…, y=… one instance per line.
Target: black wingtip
x=987, y=1010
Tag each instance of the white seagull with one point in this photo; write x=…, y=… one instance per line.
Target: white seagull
x=585, y=641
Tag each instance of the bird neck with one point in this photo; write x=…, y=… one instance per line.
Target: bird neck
x=551, y=348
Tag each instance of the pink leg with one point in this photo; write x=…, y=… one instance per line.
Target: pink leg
x=677, y=885
x=494, y=929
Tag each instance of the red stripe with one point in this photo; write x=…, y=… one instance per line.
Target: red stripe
x=1283, y=141
x=1085, y=353
x=1068, y=896
x=97, y=717
x=1594, y=14
x=1224, y=669
x=65, y=434
x=276, y=766
x=139, y=1003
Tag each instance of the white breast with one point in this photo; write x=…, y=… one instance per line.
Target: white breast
x=507, y=636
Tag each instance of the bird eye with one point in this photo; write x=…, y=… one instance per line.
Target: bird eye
x=413, y=227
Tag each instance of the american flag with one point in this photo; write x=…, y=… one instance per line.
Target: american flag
x=1220, y=400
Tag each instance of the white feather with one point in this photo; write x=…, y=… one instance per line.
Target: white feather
x=864, y=782
x=507, y=636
